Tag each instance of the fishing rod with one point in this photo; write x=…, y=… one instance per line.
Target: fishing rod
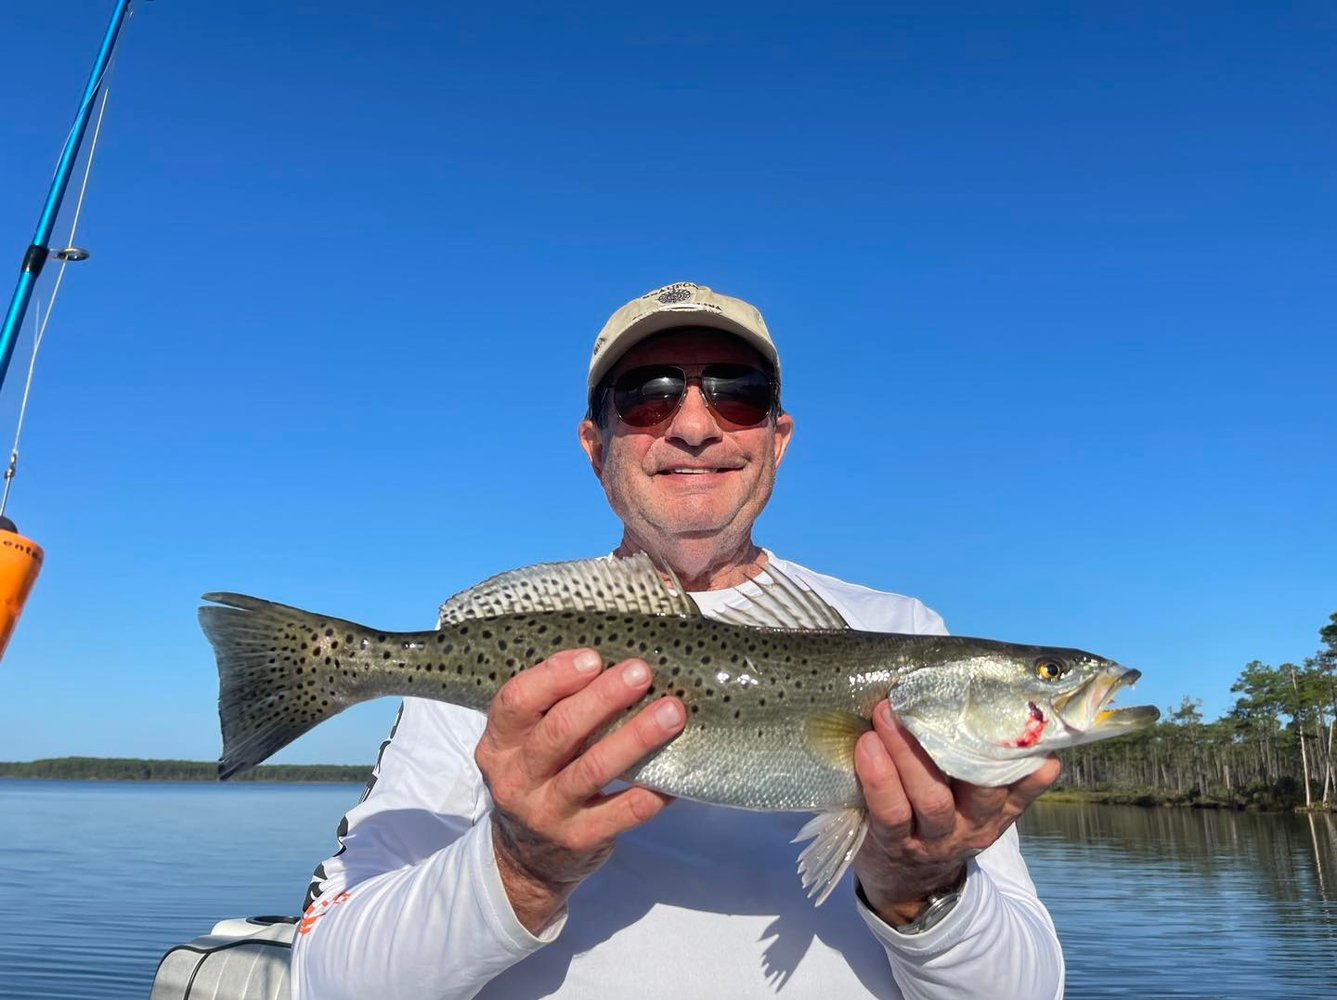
x=20, y=557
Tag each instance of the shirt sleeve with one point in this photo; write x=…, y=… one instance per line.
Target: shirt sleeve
x=412, y=905
x=997, y=941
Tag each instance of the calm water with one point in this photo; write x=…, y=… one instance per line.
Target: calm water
x=98, y=880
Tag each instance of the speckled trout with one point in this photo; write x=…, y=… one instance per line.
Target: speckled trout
x=777, y=693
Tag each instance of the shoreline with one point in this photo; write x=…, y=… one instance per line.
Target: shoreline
x=134, y=769
x=1151, y=798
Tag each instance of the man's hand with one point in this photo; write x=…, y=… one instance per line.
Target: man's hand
x=552, y=825
x=923, y=825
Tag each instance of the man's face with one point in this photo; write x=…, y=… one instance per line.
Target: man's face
x=693, y=476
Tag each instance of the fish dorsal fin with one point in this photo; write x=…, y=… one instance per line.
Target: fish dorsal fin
x=779, y=602
x=631, y=584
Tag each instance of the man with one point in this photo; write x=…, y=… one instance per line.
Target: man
x=456, y=871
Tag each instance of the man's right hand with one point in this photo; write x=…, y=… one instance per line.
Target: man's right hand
x=552, y=824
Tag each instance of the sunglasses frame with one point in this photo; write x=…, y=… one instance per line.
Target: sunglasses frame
x=689, y=374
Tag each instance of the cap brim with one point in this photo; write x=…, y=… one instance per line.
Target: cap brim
x=669, y=319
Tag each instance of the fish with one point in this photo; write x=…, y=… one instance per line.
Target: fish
x=777, y=692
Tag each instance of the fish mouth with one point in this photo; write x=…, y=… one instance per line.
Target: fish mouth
x=1087, y=709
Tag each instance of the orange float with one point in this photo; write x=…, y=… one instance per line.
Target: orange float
x=20, y=562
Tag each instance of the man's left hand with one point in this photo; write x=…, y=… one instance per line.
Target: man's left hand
x=923, y=825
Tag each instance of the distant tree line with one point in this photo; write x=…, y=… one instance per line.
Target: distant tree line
x=132, y=769
x=1273, y=750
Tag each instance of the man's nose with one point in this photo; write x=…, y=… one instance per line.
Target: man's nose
x=694, y=422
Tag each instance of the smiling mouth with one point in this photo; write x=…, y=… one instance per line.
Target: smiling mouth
x=685, y=471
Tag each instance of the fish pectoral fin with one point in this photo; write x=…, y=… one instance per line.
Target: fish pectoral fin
x=836, y=838
x=831, y=736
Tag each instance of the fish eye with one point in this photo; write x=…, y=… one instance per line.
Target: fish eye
x=1047, y=668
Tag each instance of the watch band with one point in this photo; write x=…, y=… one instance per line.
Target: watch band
x=939, y=904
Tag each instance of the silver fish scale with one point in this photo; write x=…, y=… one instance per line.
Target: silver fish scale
x=749, y=693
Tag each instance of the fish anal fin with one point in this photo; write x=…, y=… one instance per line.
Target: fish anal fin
x=831, y=736
x=836, y=838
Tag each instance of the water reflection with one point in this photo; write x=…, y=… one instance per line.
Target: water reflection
x=99, y=880
x=1323, y=848
x=1188, y=903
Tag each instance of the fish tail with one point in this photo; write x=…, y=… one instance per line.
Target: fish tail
x=274, y=681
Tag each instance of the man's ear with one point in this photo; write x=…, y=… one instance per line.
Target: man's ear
x=592, y=443
x=784, y=433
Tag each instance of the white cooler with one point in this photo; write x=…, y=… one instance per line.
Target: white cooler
x=240, y=959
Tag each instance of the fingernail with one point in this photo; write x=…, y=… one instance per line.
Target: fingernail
x=636, y=674
x=588, y=661
x=668, y=714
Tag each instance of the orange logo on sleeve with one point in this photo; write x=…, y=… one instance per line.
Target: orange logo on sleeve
x=317, y=910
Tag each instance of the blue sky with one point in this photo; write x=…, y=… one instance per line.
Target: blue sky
x=1053, y=288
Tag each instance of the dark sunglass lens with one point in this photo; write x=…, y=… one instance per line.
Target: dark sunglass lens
x=739, y=394
x=644, y=397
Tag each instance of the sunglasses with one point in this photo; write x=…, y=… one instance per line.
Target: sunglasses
x=738, y=394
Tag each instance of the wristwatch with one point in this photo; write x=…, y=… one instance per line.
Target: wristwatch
x=938, y=905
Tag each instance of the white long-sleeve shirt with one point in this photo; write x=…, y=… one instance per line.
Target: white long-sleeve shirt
x=702, y=901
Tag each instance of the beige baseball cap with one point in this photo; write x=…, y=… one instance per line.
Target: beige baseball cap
x=680, y=304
